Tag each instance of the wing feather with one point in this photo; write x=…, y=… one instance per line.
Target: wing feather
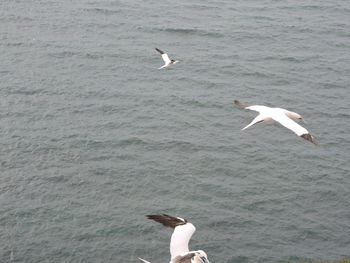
x=180, y=239
x=257, y=119
x=160, y=51
x=167, y=220
x=295, y=127
x=166, y=58
x=181, y=236
x=257, y=108
x=284, y=120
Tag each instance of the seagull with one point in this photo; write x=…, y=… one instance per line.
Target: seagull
x=183, y=231
x=167, y=60
x=284, y=117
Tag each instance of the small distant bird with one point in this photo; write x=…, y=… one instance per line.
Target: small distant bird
x=180, y=238
x=167, y=60
x=284, y=117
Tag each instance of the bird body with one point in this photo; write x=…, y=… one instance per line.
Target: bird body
x=180, y=238
x=284, y=117
x=166, y=59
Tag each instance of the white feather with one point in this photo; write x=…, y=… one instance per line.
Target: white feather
x=283, y=119
x=166, y=58
x=180, y=239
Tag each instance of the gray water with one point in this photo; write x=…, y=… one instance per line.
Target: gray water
x=94, y=137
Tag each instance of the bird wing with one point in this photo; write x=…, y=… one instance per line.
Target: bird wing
x=257, y=108
x=181, y=236
x=160, y=51
x=283, y=119
x=257, y=119
x=166, y=58
x=180, y=239
x=167, y=220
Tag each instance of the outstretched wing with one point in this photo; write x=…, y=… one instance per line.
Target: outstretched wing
x=165, y=56
x=181, y=236
x=257, y=108
x=180, y=239
x=167, y=220
x=257, y=119
x=160, y=51
x=284, y=120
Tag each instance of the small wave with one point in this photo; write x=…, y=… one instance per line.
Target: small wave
x=332, y=86
x=289, y=59
x=192, y=31
x=15, y=44
x=132, y=141
x=189, y=102
x=306, y=7
x=16, y=18
x=181, y=145
x=25, y=91
x=102, y=11
x=256, y=74
x=63, y=54
x=68, y=54
x=265, y=18
x=57, y=179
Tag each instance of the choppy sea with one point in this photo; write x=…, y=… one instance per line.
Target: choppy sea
x=94, y=137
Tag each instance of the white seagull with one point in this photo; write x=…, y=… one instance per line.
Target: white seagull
x=167, y=60
x=284, y=117
x=182, y=234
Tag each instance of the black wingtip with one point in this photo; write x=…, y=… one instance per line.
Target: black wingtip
x=160, y=51
x=239, y=104
x=167, y=220
x=310, y=138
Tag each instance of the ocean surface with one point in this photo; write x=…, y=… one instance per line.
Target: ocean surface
x=94, y=137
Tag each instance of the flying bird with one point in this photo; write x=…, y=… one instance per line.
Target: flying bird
x=167, y=60
x=183, y=231
x=284, y=117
